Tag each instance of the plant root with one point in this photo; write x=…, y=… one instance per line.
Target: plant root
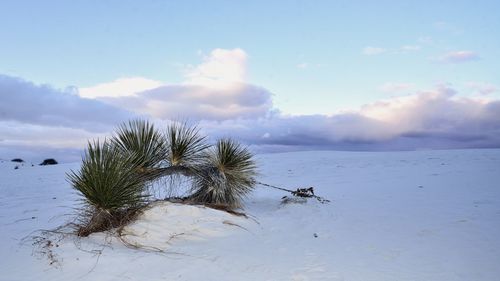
x=102, y=220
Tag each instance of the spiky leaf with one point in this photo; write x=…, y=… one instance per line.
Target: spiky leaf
x=107, y=179
x=227, y=175
x=185, y=146
x=141, y=142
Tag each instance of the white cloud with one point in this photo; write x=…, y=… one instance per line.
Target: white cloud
x=371, y=51
x=435, y=118
x=48, y=122
x=458, y=57
x=307, y=65
x=197, y=102
x=406, y=114
x=425, y=40
x=303, y=65
x=410, y=48
x=396, y=88
x=119, y=88
x=221, y=69
x=16, y=133
x=218, y=96
x=215, y=89
x=482, y=88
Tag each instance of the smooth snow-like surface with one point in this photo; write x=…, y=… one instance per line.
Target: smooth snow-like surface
x=424, y=215
x=166, y=224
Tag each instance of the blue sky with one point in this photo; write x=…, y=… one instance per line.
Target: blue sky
x=310, y=57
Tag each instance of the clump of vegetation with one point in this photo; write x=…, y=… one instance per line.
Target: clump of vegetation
x=49, y=161
x=141, y=143
x=115, y=174
x=225, y=176
x=111, y=186
x=186, y=146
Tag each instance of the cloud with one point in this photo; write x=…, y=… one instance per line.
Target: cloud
x=215, y=90
x=425, y=40
x=410, y=48
x=41, y=121
x=372, y=51
x=15, y=133
x=303, y=65
x=396, y=88
x=198, y=102
x=25, y=102
x=458, y=57
x=482, y=88
x=432, y=119
x=221, y=69
x=307, y=65
x=216, y=93
x=120, y=87
x=429, y=119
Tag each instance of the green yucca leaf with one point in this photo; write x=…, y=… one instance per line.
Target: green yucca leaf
x=115, y=175
x=141, y=142
x=185, y=146
x=227, y=175
x=108, y=180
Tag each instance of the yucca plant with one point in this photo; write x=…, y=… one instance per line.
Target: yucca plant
x=226, y=176
x=185, y=146
x=115, y=175
x=109, y=184
x=184, y=150
x=141, y=143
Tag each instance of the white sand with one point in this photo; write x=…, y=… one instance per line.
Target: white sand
x=427, y=215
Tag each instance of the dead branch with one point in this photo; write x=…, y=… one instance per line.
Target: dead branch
x=299, y=192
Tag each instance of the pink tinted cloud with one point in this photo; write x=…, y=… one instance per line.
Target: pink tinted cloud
x=458, y=57
x=437, y=118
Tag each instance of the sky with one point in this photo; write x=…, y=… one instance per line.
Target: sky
x=277, y=75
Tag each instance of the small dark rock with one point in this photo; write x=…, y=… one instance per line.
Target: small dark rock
x=315, y=235
x=18, y=160
x=49, y=161
x=16, y=167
